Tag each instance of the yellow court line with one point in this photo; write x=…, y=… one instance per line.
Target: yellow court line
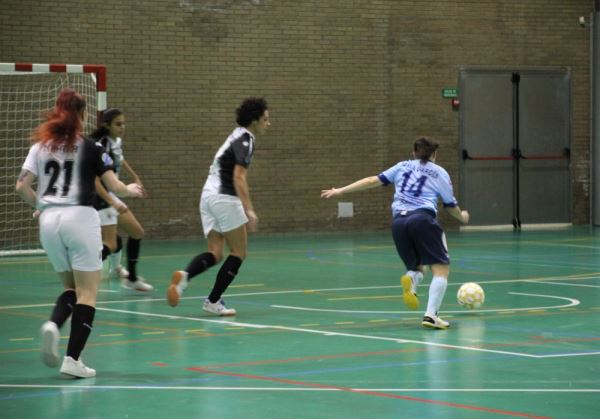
x=19, y=339
x=194, y=330
x=246, y=285
x=108, y=335
x=344, y=322
x=153, y=333
x=378, y=321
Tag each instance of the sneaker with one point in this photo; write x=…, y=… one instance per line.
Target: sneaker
x=119, y=273
x=138, y=285
x=49, y=336
x=435, y=322
x=218, y=308
x=408, y=293
x=76, y=369
x=179, y=282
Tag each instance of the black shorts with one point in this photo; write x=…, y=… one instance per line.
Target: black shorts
x=419, y=239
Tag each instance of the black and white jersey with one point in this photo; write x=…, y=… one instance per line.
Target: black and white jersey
x=113, y=148
x=237, y=149
x=67, y=178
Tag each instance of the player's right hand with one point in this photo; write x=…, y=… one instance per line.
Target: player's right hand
x=252, y=220
x=465, y=217
x=135, y=190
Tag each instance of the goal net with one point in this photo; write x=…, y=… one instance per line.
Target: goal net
x=27, y=92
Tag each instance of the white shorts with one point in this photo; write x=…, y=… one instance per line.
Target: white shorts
x=71, y=237
x=221, y=213
x=108, y=216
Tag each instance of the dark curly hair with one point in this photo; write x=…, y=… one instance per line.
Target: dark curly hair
x=424, y=148
x=250, y=110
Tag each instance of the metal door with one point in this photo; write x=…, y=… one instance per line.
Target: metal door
x=515, y=139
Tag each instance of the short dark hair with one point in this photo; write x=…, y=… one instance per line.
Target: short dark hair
x=250, y=110
x=424, y=148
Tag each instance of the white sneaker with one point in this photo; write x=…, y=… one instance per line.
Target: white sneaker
x=218, y=308
x=435, y=322
x=119, y=273
x=49, y=335
x=139, y=285
x=179, y=282
x=76, y=369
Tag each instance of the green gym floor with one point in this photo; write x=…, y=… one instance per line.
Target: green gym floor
x=321, y=332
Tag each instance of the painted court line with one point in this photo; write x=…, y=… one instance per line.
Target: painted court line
x=320, y=332
x=390, y=390
x=572, y=302
x=370, y=393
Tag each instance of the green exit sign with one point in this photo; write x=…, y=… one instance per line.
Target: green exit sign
x=449, y=93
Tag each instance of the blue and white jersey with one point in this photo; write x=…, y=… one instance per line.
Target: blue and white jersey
x=237, y=149
x=418, y=186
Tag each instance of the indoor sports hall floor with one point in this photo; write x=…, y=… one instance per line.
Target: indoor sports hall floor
x=321, y=332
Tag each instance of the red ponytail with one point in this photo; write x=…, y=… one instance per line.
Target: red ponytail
x=63, y=124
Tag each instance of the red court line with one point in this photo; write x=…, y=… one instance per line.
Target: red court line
x=367, y=392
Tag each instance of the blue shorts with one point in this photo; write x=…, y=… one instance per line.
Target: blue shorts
x=419, y=239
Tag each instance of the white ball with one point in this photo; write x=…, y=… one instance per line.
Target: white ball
x=470, y=295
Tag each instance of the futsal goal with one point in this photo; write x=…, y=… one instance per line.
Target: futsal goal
x=27, y=92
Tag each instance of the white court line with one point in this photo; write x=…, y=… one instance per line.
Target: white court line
x=572, y=302
x=306, y=291
x=321, y=332
x=389, y=390
x=563, y=283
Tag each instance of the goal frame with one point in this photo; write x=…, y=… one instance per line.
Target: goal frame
x=99, y=73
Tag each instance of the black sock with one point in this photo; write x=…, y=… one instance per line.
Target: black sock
x=133, y=252
x=228, y=271
x=199, y=264
x=63, y=307
x=81, y=327
x=105, y=251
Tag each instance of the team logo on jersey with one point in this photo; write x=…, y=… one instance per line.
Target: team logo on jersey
x=107, y=160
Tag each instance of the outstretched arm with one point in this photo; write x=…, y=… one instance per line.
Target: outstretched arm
x=359, y=185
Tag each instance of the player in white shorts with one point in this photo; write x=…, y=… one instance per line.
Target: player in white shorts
x=114, y=212
x=65, y=166
x=226, y=209
x=418, y=236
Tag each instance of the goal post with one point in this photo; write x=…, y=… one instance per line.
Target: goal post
x=27, y=92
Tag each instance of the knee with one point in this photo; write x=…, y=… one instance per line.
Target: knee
x=239, y=254
x=217, y=255
x=138, y=233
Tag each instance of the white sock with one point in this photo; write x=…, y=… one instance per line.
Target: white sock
x=437, y=289
x=417, y=277
x=115, y=260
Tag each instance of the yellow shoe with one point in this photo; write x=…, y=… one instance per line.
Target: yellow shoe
x=410, y=298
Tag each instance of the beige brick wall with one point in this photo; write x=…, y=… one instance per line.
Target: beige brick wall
x=350, y=84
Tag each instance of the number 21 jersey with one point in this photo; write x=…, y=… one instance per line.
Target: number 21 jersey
x=67, y=178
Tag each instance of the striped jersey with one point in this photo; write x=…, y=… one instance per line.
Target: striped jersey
x=237, y=149
x=418, y=185
x=67, y=178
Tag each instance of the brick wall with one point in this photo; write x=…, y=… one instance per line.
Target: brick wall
x=350, y=84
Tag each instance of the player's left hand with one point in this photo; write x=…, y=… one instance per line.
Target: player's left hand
x=328, y=193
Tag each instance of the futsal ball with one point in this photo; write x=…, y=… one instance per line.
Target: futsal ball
x=470, y=295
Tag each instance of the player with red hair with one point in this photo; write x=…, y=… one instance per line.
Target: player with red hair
x=65, y=165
